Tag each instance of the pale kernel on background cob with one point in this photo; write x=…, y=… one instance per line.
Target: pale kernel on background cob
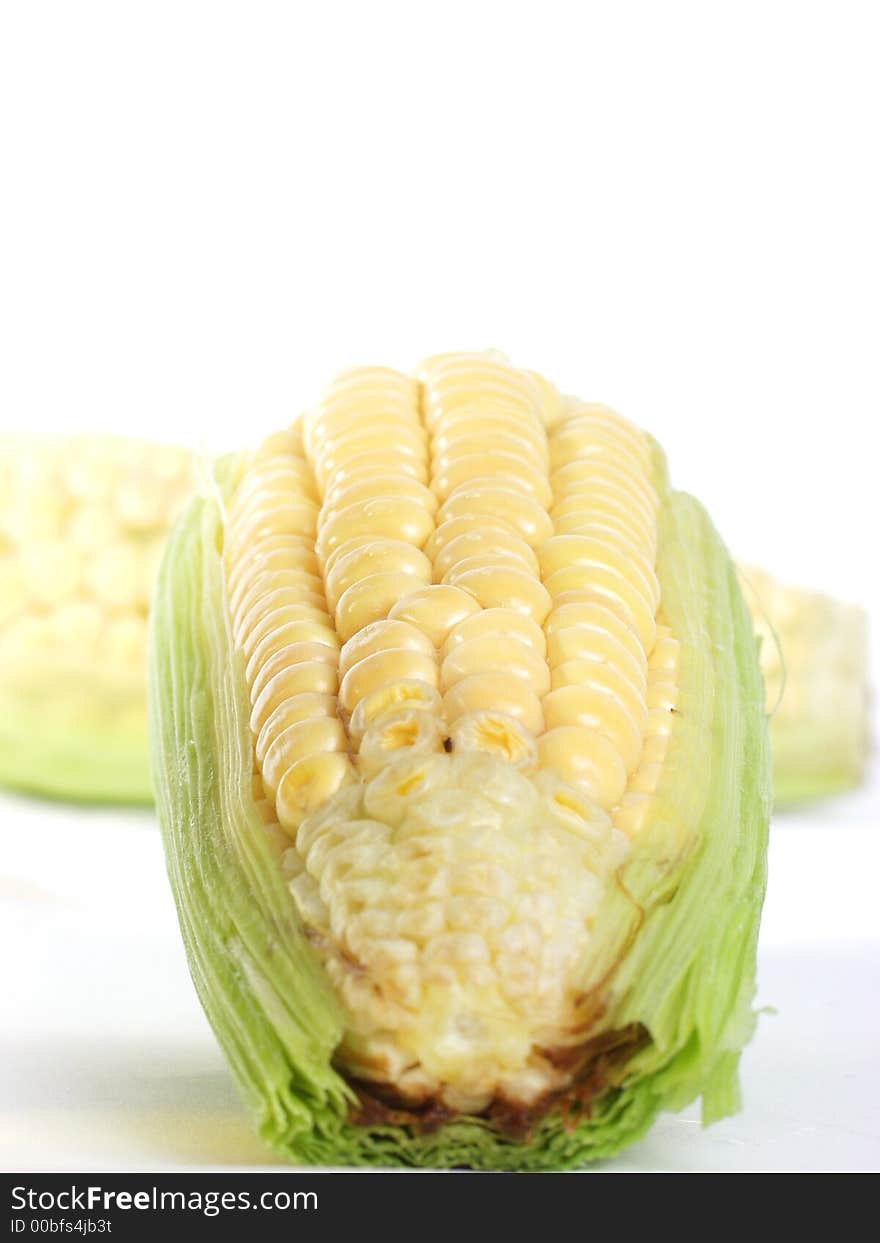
x=83, y=522
x=449, y=686
x=814, y=657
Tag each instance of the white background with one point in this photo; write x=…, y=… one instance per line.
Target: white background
x=674, y=208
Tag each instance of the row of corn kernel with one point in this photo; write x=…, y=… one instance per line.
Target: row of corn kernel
x=281, y=624
x=369, y=453
x=599, y=569
x=662, y=698
x=489, y=471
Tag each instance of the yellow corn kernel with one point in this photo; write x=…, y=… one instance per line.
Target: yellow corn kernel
x=508, y=653
x=305, y=738
x=382, y=516
x=483, y=542
x=435, y=610
x=495, y=733
x=383, y=668
x=486, y=528
x=405, y=729
x=302, y=630
x=503, y=586
x=585, y=758
x=274, y=553
x=592, y=706
x=371, y=599
x=309, y=677
x=497, y=621
x=488, y=435
x=323, y=650
x=496, y=692
x=587, y=621
x=493, y=499
x=411, y=693
x=381, y=636
x=292, y=711
x=270, y=614
x=471, y=469
x=364, y=486
x=309, y=783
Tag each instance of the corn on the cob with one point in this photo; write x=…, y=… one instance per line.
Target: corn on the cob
x=460, y=756
x=814, y=655
x=83, y=521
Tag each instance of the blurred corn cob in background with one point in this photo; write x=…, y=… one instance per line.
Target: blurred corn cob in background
x=83, y=521
x=814, y=656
